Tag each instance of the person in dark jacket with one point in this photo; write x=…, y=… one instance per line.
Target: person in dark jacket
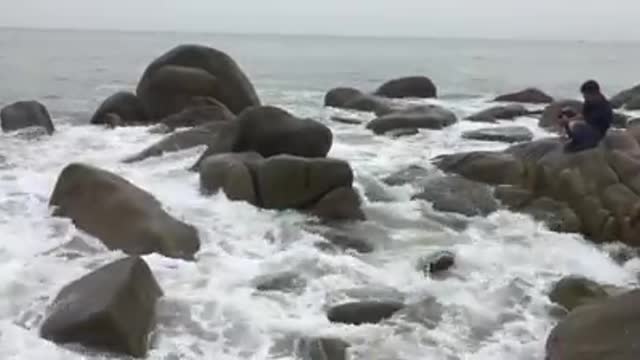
x=597, y=115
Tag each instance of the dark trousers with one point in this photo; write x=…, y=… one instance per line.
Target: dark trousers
x=583, y=136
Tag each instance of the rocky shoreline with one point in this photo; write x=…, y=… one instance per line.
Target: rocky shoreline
x=272, y=159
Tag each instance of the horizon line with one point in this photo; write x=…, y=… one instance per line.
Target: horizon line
x=316, y=35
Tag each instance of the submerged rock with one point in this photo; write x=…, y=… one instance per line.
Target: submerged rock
x=398, y=133
x=120, y=214
x=345, y=120
x=459, y=195
x=123, y=106
x=528, y=95
x=25, y=114
x=427, y=313
x=366, y=312
x=354, y=99
x=508, y=134
x=421, y=117
x=112, y=308
x=170, y=82
x=408, y=87
x=604, y=330
x=436, y=263
x=508, y=112
x=410, y=175
x=322, y=349
x=283, y=281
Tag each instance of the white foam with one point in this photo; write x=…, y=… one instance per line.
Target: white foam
x=495, y=305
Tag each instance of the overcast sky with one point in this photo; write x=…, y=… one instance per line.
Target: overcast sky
x=541, y=19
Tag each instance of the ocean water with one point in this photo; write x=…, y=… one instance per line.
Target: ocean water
x=494, y=305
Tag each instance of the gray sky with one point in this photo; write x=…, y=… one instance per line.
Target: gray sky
x=540, y=19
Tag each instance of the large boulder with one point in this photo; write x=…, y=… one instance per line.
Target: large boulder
x=551, y=115
x=125, y=106
x=231, y=174
x=211, y=135
x=363, y=312
x=120, y=214
x=171, y=81
x=408, y=87
x=204, y=111
x=508, y=134
x=633, y=103
x=621, y=98
x=528, y=95
x=459, y=195
x=506, y=112
x=25, y=114
x=420, y=117
x=111, y=308
x=324, y=187
x=574, y=291
x=271, y=131
x=596, y=190
x=603, y=330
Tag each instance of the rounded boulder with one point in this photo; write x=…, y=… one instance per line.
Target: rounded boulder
x=125, y=105
x=25, y=114
x=408, y=87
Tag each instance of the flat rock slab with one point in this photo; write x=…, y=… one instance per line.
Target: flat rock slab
x=112, y=308
x=508, y=134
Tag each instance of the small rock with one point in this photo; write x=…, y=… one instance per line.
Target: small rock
x=366, y=312
x=344, y=120
x=284, y=281
x=459, y=195
x=508, y=112
x=112, y=308
x=528, y=95
x=437, y=263
x=421, y=117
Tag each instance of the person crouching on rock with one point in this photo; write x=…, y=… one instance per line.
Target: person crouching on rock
x=587, y=131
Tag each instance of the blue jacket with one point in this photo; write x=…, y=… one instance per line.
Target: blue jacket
x=598, y=113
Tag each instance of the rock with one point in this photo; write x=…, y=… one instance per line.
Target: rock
x=209, y=135
x=437, y=263
x=513, y=197
x=528, y=95
x=398, y=133
x=459, y=195
x=346, y=241
x=487, y=167
x=120, y=214
x=112, y=308
x=366, y=312
x=508, y=112
x=24, y=114
x=412, y=174
x=368, y=103
x=422, y=117
x=551, y=114
x=271, y=131
x=284, y=281
x=620, y=99
x=339, y=204
x=286, y=182
x=213, y=111
x=619, y=120
x=322, y=349
x=508, y=134
x=604, y=330
x=633, y=103
x=338, y=97
x=408, y=87
x=593, y=191
x=230, y=173
x=187, y=71
x=344, y=120
x=125, y=105
x=574, y=291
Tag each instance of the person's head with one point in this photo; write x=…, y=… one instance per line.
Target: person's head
x=590, y=90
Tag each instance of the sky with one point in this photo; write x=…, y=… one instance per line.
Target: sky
x=599, y=20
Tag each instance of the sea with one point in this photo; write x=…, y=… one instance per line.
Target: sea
x=494, y=302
